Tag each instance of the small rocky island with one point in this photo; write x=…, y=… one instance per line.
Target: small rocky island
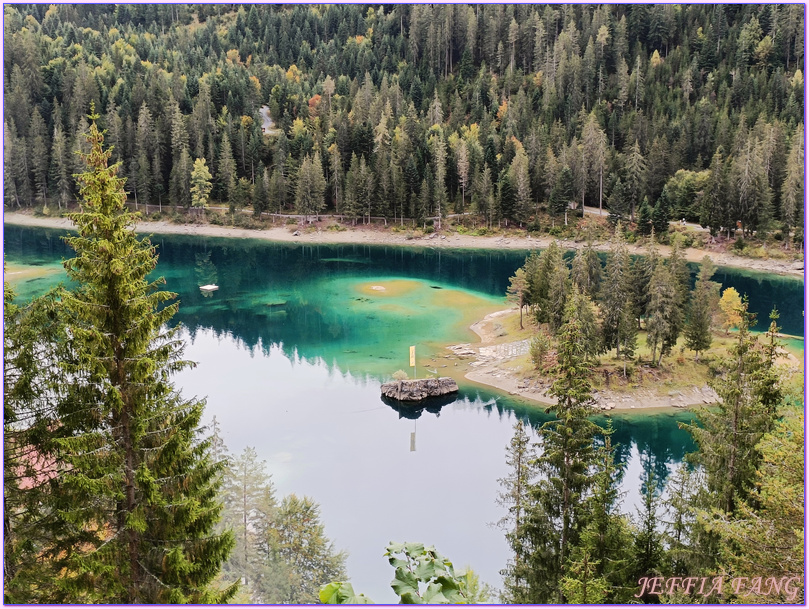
x=416, y=390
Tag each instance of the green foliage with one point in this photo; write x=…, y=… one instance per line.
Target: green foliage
x=478, y=110
x=703, y=303
x=422, y=576
x=200, y=184
x=133, y=498
x=539, y=348
x=766, y=532
x=727, y=435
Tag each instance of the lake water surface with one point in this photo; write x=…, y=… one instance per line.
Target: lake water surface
x=291, y=351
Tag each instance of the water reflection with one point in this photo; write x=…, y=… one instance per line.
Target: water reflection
x=291, y=353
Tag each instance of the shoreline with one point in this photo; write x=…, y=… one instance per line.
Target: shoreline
x=488, y=361
x=365, y=236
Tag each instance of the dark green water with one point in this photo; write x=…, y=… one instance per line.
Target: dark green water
x=291, y=350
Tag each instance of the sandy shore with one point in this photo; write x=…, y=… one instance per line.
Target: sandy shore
x=383, y=237
x=489, y=363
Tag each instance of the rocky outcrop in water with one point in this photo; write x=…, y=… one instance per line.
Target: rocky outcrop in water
x=415, y=390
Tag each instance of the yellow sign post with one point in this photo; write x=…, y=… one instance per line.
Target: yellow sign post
x=413, y=359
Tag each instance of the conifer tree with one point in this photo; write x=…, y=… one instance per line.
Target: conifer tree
x=635, y=171
x=616, y=292
x=749, y=392
x=261, y=191
x=586, y=270
x=311, y=187
x=793, y=187
x=648, y=546
x=766, y=534
x=661, y=313
x=704, y=300
x=558, y=288
x=517, y=291
x=32, y=383
x=226, y=169
x=606, y=541
x=59, y=178
x=645, y=226
x=200, y=184
x=250, y=505
x=715, y=208
x=137, y=486
x=309, y=557
x=515, y=497
x=559, y=514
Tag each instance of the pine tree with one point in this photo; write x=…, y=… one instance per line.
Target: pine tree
x=586, y=271
x=226, y=174
x=200, y=184
x=517, y=291
x=261, y=191
x=520, y=458
x=180, y=180
x=439, y=152
x=715, y=206
x=635, y=171
x=250, y=505
x=648, y=546
x=309, y=558
x=766, y=535
x=619, y=203
x=793, y=186
x=562, y=193
x=704, y=301
x=645, y=226
x=521, y=180
x=749, y=393
x=559, y=515
x=681, y=492
x=137, y=486
x=660, y=218
x=39, y=147
x=661, y=313
x=601, y=563
x=558, y=288
x=60, y=179
x=311, y=187
x=616, y=292
x=32, y=383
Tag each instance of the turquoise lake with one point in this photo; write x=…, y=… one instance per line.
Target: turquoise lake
x=291, y=351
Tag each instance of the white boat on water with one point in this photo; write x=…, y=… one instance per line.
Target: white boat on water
x=209, y=288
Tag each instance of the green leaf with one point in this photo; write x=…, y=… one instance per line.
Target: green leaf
x=409, y=598
x=434, y=596
x=426, y=570
x=414, y=548
x=342, y=593
x=394, y=548
x=404, y=582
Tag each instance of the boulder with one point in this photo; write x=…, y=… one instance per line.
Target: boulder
x=415, y=390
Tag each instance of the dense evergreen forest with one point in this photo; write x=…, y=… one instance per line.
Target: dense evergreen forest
x=114, y=492
x=511, y=112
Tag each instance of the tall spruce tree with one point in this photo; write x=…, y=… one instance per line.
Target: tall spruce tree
x=558, y=514
x=515, y=497
x=749, y=392
x=704, y=300
x=606, y=542
x=661, y=313
x=137, y=490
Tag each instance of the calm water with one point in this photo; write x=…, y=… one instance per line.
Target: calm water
x=291, y=350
